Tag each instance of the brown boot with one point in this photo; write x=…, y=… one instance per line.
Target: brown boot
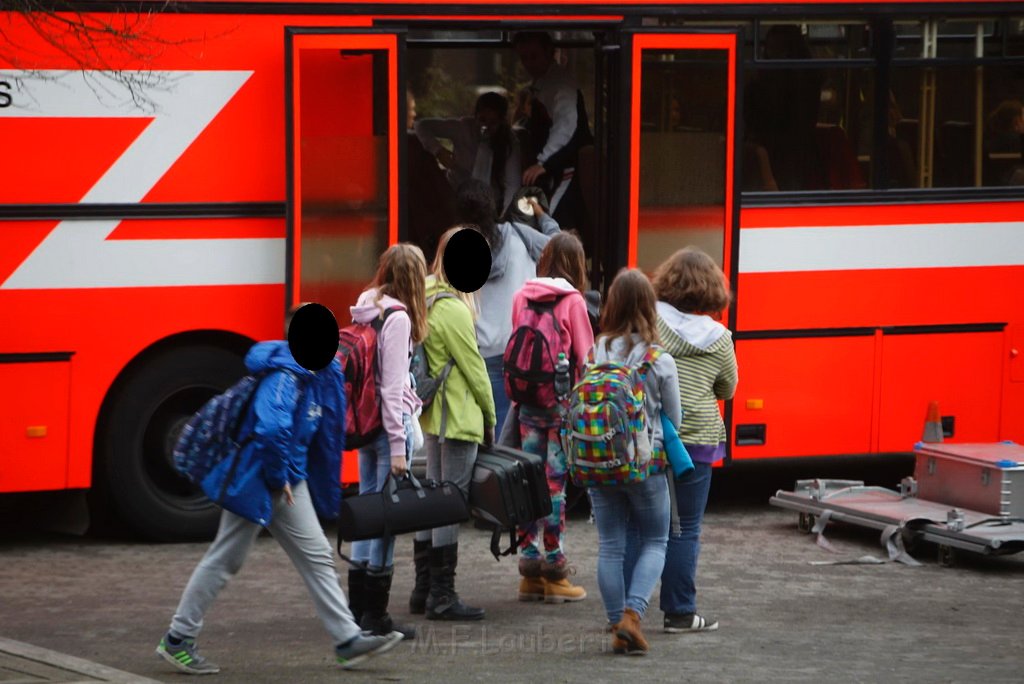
x=628, y=630
x=557, y=587
x=531, y=586
x=620, y=646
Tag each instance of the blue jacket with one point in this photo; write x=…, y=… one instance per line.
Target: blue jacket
x=297, y=431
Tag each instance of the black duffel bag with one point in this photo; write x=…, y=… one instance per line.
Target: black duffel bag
x=402, y=506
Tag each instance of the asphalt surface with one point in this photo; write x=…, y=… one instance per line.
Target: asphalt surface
x=108, y=600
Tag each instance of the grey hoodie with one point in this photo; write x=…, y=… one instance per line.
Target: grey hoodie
x=660, y=387
x=514, y=262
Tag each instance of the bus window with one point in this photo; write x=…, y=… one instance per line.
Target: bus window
x=808, y=127
x=960, y=122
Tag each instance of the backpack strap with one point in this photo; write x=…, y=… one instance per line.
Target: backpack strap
x=647, y=363
x=442, y=377
x=378, y=323
x=514, y=542
x=431, y=300
x=244, y=415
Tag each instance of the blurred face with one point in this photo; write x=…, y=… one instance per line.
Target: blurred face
x=534, y=58
x=489, y=120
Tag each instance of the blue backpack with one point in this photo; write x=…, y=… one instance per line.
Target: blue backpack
x=213, y=433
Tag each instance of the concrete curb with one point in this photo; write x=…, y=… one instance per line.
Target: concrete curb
x=21, y=662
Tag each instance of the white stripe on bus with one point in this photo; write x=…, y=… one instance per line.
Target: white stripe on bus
x=77, y=253
x=844, y=248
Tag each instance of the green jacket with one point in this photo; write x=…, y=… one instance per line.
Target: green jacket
x=467, y=391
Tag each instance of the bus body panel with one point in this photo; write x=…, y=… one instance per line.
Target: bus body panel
x=861, y=392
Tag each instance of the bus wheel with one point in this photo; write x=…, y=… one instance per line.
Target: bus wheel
x=137, y=439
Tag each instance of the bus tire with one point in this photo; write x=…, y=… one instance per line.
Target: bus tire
x=137, y=437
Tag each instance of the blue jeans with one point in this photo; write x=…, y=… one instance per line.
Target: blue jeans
x=495, y=373
x=645, y=506
x=678, y=585
x=374, y=466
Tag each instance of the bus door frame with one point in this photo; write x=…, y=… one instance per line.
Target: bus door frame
x=627, y=171
x=390, y=40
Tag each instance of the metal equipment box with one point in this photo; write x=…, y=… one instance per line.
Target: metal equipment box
x=988, y=478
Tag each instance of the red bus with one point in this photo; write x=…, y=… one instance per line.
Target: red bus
x=172, y=179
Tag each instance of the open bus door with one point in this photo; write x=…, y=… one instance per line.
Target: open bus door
x=343, y=121
x=680, y=105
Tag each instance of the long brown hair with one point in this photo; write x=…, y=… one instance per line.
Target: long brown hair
x=692, y=282
x=437, y=268
x=563, y=257
x=630, y=308
x=400, y=274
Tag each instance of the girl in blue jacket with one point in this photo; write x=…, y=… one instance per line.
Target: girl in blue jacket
x=285, y=476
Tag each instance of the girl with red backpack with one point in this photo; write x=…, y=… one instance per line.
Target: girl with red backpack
x=549, y=314
x=395, y=305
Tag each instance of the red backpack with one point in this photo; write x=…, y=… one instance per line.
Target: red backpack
x=357, y=352
x=531, y=353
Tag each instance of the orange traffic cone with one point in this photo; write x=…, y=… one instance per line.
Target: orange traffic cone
x=932, y=424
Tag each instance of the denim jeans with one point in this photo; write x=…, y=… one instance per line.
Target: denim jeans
x=678, y=586
x=678, y=580
x=645, y=506
x=374, y=466
x=495, y=374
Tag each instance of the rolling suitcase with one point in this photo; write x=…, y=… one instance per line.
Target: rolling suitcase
x=509, y=488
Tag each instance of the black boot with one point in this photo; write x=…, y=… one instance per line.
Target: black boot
x=375, y=611
x=356, y=592
x=421, y=557
x=443, y=603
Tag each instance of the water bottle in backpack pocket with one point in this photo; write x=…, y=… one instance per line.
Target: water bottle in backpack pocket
x=607, y=435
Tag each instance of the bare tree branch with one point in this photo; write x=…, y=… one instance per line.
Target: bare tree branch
x=116, y=47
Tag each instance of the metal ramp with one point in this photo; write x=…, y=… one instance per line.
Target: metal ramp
x=902, y=514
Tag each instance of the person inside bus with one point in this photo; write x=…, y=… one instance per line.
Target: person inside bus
x=515, y=249
x=1005, y=144
x=483, y=147
x=781, y=113
x=558, y=127
x=295, y=458
x=431, y=197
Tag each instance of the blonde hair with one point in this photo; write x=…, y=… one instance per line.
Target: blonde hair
x=437, y=268
x=630, y=308
x=400, y=274
x=692, y=282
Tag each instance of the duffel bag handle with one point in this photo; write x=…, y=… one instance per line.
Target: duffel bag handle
x=394, y=483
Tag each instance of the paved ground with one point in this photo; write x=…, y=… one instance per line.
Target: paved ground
x=783, y=619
